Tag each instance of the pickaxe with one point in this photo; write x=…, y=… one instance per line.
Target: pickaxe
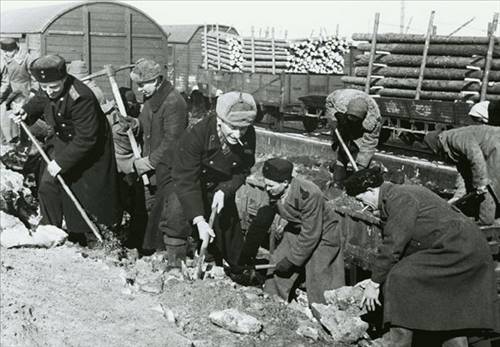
x=123, y=112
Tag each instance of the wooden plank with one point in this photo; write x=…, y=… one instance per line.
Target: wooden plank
x=489, y=57
x=205, y=60
x=143, y=25
x=67, y=23
x=108, y=42
x=128, y=37
x=372, y=52
x=424, y=55
x=66, y=32
x=104, y=8
x=86, y=43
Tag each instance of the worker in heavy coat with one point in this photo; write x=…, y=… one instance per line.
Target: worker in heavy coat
x=311, y=238
x=486, y=112
x=434, y=264
x=81, y=149
x=162, y=120
x=16, y=77
x=357, y=117
x=475, y=150
x=212, y=160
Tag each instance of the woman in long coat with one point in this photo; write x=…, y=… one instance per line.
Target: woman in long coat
x=434, y=263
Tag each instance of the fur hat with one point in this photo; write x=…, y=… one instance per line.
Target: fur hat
x=8, y=44
x=360, y=181
x=277, y=169
x=48, y=68
x=145, y=70
x=236, y=108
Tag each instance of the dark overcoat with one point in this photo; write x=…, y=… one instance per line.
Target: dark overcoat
x=311, y=240
x=435, y=263
x=163, y=119
x=202, y=167
x=82, y=145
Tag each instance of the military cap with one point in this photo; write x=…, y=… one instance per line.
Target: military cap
x=431, y=139
x=8, y=44
x=357, y=107
x=236, y=108
x=361, y=180
x=145, y=70
x=277, y=169
x=48, y=68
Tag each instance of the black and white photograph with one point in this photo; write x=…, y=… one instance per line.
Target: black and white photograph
x=249, y=173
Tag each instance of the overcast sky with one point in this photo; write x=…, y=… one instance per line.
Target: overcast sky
x=301, y=18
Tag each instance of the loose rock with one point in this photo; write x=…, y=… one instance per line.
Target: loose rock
x=235, y=321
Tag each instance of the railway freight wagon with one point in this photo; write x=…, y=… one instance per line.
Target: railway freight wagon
x=185, y=54
x=98, y=32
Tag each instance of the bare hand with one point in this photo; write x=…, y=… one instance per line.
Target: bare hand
x=19, y=116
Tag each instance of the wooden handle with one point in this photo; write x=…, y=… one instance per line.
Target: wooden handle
x=68, y=191
x=105, y=72
x=265, y=266
x=346, y=150
x=123, y=112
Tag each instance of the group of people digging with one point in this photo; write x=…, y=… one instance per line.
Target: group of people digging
x=433, y=266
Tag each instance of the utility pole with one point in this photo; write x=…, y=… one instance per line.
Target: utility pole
x=402, y=18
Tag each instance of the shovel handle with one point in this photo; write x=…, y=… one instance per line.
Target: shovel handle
x=346, y=150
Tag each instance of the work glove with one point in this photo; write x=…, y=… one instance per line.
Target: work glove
x=284, y=267
x=142, y=165
x=218, y=200
x=127, y=123
x=53, y=168
x=370, y=295
x=205, y=232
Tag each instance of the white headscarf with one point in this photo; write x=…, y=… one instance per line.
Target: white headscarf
x=480, y=111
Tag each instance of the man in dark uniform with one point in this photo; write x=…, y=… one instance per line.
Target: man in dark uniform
x=434, y=263
x=81, y=149
x=310, y=240
x=212, y=161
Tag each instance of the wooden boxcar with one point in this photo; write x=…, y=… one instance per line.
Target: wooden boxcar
x=185, y=54
x=98, y=32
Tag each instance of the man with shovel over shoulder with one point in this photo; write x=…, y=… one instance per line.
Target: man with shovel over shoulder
x=81, y=149
x=310, y=240
x=212, y=160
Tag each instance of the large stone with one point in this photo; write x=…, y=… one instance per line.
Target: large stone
x=346, y=299
x=235, y=321
x=17, y=235
x=343, y=326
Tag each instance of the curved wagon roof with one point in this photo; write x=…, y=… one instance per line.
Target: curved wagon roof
x=38, y=19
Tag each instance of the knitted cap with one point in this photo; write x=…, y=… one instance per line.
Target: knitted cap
x=236, y=108
x=48, y=68
x=480, y=111
x=358, y=108
x=145, y=70
x=360, y=181
x=431, y=139
x=277, y=169
x=78, y=68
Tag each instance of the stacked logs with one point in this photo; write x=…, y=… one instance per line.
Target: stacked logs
x=269, y=55
x=454, y=69
x=319, y=56
x=223, y=51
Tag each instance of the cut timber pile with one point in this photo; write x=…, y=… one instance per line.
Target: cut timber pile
x=223, y=51
x=455, y=67
x=321, y=56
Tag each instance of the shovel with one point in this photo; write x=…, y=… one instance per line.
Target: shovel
x=203, y=248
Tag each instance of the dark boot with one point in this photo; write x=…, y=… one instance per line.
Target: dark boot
x=176, y=251
x=400, y=337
